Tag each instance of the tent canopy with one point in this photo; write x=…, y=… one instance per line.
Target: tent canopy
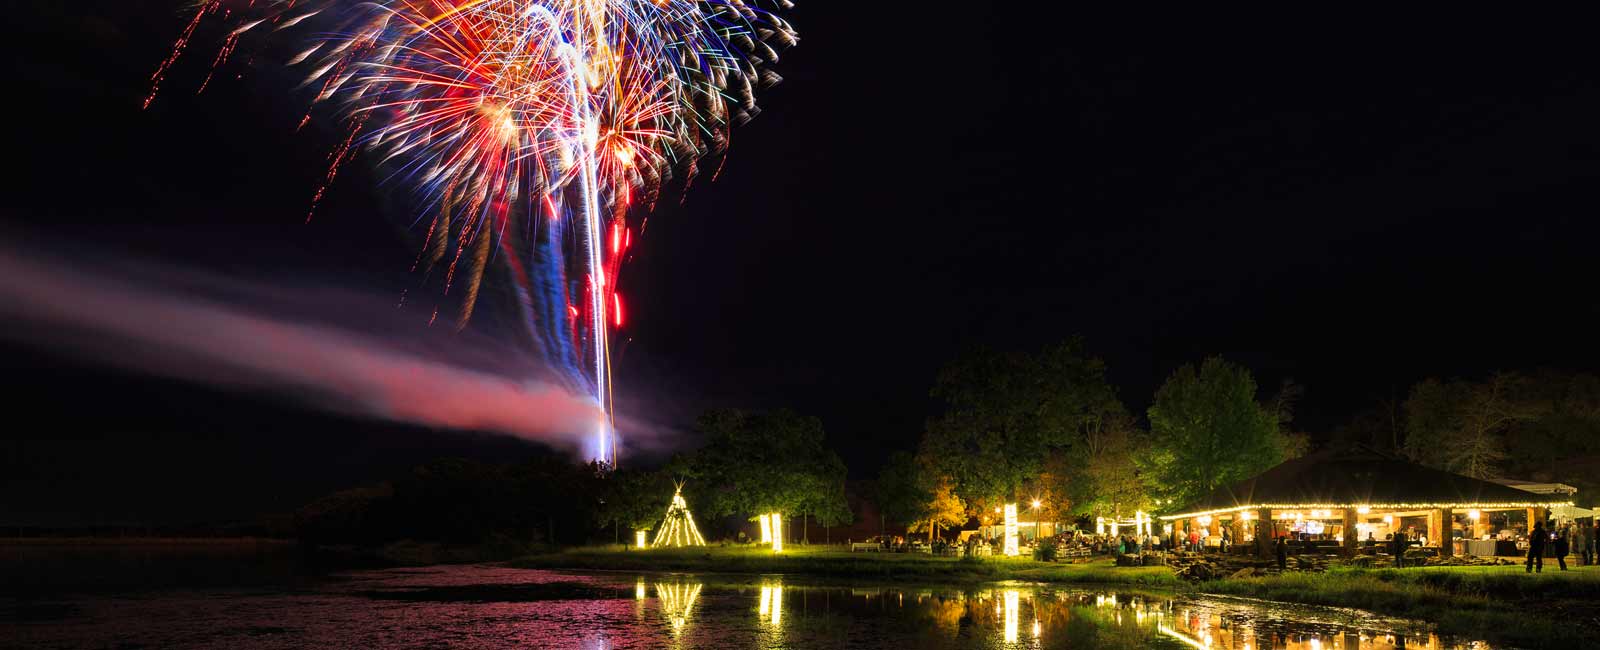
x=1357, y=476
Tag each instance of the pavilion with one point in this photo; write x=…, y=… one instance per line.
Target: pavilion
x=1359, y=490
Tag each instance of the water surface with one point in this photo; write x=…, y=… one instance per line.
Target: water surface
x=486, y=606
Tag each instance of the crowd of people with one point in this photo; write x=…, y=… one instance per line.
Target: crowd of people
x=1561, y=540
x=1558, y=540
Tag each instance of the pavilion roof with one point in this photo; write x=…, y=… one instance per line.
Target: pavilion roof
x=1361, y=476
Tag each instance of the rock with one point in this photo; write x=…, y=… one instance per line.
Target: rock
x=1242, y=574
x=1151, y=560
x=1127, y=559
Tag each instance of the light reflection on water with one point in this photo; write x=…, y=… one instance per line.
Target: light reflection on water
x=486, y=606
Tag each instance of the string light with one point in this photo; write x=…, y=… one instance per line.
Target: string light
x=678, y=529
x=1011, y=529
x=1390, y=506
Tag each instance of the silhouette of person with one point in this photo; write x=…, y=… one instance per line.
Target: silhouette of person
x=1398, y=547
x=1562, y=547
x=1536, y=541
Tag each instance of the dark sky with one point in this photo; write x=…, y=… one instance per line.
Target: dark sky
x=1353, y=206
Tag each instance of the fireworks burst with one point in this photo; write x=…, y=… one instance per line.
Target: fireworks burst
x=527, y=130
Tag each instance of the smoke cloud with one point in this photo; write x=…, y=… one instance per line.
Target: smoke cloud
x=191, y=326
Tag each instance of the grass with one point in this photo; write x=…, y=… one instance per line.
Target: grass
x=1501, y=604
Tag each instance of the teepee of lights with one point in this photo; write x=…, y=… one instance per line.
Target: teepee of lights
x=678, y=528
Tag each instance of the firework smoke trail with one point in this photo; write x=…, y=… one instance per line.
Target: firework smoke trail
x=503, y=116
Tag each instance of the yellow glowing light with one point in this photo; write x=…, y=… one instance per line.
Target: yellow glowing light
x=766, y=529
x=1393, y=506
x=638, y=538
x=1099, y=525
x=777, y=605
x=1364, y=510
x=1035, y=505
x=1388, y=519
x=677, y=603
x=678, y=529
x=1474, y=514
x=1011, y=529
x=1205, y=520
x=777, y=532
x=1013, y=615
x=770, y=609
x=638, y=590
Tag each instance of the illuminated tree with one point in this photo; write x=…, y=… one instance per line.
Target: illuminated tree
x=1111, y=482
x=1004, y=413
x=1207, y=430
x=941, y=512
x=759, y=463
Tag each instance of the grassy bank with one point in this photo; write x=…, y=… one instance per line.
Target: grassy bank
x=1501, y=604
x=834, y=562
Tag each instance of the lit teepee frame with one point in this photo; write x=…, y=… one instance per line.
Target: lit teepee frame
x=678, y=528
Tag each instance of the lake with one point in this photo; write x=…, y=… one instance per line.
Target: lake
x=490, y=606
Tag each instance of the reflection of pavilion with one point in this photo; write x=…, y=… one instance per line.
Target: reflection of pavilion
x=1212, y=631
x=1348, y=496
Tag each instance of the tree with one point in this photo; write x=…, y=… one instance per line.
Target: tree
x=1208, y=430
x=1431, y=419
x=634, y=499
x=758, y=463
x=1460, y=426
x=1005, y=412
x=903, y=489
x=942, y=511
x=1295, y=443
x=1112, y=482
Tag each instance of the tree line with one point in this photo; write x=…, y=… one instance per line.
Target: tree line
x=1042, y=426
x=1542, y=426
x=1045, y=430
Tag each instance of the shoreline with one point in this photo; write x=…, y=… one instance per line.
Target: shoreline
x=1497, y=604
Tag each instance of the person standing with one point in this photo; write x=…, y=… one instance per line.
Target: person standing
x=1588, y=545
x=1580, y=539
x=1398, y=547
x=1562, y=547
x=1282, y=550
x=1536, y=541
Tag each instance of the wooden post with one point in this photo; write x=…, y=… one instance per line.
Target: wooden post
x=1351, y=537
x=1447, y=539
x=1435, y=524
x=1264, y=532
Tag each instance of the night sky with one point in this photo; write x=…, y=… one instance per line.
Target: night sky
x=1351, y=206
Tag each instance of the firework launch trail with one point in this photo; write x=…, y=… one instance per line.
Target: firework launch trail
x=524, y=131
